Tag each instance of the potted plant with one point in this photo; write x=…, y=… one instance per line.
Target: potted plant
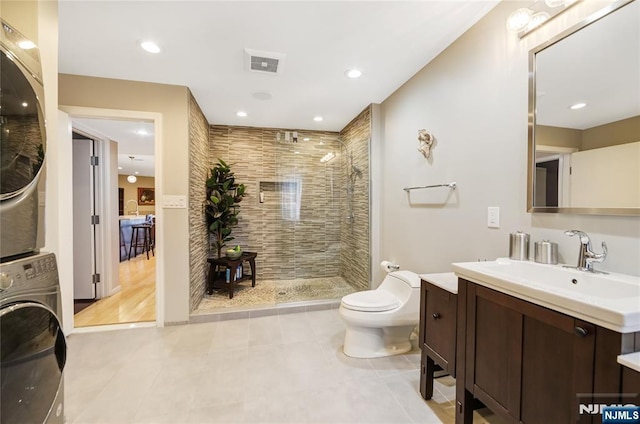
x=223, y=196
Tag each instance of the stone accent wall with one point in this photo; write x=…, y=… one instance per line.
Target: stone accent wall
x=198, y=172
x=296, y=231
x=355, y=252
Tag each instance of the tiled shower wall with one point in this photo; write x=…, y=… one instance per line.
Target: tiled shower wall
x=355, y=254
x=297, y=229
x=198, y=169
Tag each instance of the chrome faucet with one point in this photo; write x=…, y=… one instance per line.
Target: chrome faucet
x=136, y=203
x=587, y=257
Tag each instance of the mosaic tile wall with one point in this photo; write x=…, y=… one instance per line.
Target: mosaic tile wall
x=297, y=230
x=198, y=170
x=355, y=255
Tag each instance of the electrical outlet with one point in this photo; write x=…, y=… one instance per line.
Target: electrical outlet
x=493, y=217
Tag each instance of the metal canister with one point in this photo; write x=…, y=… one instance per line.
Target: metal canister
x=519, y=246
x=545, y=252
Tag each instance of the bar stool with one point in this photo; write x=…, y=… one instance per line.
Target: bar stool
x=141, y=240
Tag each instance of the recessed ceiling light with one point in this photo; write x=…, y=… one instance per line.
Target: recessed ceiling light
x=296, y=152
x=142, y=132
x=353, y=73
x=150, y=46
x=318, y=118
x=26, y=44
x=136, y=172
x=120, y=168
x=25, y=104
x=577, y=106
x=306, y=139
x=241, y=113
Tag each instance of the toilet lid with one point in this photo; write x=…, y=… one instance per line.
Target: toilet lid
x=370, y=301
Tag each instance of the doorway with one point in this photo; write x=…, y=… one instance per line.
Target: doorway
x=117, y=278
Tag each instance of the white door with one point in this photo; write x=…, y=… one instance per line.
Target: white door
x=84, y=255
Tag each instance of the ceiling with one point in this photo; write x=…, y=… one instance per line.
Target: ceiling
x=203, y=47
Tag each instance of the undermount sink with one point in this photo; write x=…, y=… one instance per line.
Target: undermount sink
x=610, y=300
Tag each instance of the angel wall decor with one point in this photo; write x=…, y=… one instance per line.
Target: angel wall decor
x=425, y=142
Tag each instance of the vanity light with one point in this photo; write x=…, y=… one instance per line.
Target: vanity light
x=241, y=113
x=577, y=106
x=26, y=44
x=526, y=19
x=353, y=73
x=555, y=3
x=519, y=19
x=538, y=19
x=318, y=118
x=150, y=46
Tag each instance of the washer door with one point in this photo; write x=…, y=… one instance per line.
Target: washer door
x=32, y=358
x=22, y=130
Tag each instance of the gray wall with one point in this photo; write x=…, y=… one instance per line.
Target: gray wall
x=473, y=98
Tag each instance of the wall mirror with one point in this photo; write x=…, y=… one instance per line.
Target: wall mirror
x=584, y=117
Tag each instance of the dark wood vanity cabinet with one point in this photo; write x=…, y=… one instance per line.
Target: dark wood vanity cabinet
x=438, y=312
x=530, y=364
x=631, y=383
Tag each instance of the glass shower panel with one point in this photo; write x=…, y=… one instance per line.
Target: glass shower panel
x=307, y=236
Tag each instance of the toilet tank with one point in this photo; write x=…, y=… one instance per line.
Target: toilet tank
x=401, y=284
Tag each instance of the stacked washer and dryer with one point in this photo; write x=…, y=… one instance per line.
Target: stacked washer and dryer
x=32, y=345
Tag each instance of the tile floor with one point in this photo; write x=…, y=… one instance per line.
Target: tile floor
x=286, y=368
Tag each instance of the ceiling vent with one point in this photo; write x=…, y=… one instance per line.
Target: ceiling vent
x=264, y=62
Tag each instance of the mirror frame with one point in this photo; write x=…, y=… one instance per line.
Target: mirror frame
x=531, y=151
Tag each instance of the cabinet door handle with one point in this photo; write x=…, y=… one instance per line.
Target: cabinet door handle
x=436, y=315
x=582, y=332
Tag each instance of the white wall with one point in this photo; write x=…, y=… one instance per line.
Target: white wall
x=473, y=98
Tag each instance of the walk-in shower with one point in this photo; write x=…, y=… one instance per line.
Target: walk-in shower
x=306, y=212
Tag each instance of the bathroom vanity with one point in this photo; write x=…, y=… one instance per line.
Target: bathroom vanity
x=534, y=342
x=437, y=330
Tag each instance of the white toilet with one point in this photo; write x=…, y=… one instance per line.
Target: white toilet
x=379, y=322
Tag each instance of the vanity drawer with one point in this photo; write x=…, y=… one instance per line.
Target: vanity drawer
x=440, y=326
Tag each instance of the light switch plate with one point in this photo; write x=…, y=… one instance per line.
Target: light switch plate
x=493, y=217
x=174, y=202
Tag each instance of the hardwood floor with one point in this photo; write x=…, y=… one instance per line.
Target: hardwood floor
x=135, y=302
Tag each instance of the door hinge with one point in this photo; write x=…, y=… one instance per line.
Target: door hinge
x=570, y=170
x=94, y=161
x=96, y=278
x=95, y=219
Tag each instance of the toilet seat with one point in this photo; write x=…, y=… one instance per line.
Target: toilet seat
x=370, y=301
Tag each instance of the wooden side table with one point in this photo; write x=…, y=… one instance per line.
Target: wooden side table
x=232, y=266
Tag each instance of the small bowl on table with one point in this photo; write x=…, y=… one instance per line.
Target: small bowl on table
x=233, y=254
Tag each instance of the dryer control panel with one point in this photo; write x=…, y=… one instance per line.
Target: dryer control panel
x=33, y=272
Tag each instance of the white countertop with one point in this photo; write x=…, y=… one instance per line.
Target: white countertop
x=132, y=217
x=631, y=360
x=609, y=300
x=446, y=280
